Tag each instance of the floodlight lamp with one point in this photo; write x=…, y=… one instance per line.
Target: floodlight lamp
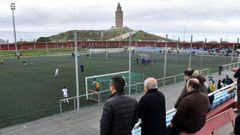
x=13, y=6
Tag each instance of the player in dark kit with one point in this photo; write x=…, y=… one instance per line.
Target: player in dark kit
x=82, y=68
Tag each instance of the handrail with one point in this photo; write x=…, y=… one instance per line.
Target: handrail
x=222, y=89
x=171, y=111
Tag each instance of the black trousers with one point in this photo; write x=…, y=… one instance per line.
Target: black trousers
x=237, y=125
x=238, y=99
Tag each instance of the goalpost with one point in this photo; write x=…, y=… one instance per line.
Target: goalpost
x=104, y=53
x=99, y=51
x=98, y=94
x=91, y=93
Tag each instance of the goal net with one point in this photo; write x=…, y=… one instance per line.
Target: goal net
x=104, y=53
x=97, y=86
x=98, y=53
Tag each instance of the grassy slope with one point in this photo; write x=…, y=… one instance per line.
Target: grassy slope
x=103, y=35
x=90, y=34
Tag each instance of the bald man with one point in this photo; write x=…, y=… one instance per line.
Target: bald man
x=192, y=111
x=152, y=110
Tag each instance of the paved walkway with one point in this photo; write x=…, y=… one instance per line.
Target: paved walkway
x=124, y=36
x=86, y=122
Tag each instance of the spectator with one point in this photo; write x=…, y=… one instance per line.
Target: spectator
x=237, y=75
x=220, y=69
x=227, y=80
x=237, y=125
x=220, y=84
x=96, y=84
x=211, y=88
x=119, y=112
x=152, y=110
x=1, y=61
x=190, y=73
x=192, y=111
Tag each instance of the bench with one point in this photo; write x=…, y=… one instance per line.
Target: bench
x=228, y=104
x=215, y=122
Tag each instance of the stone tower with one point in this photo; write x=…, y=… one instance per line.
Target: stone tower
x=119, y=17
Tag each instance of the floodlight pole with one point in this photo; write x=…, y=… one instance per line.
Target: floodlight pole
x=130, y=65
x=238, y=46
x=14, y=29
x=165, y=62
x=178, y=42
x=220, y=43
x=232, y=53
x=204, y=44
x=190, y=53
x=76, y=71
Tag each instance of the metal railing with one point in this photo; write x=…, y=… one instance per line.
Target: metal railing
x=181, y=76
x=223, y=89
x=138, y=87
x=230, y=66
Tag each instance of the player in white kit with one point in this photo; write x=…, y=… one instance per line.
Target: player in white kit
x=65, y=94
x=56, y=72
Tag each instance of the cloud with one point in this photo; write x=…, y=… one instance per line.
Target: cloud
x=158, y=16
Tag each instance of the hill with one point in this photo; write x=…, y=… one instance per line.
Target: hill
x=98, y=35
x=2, y=41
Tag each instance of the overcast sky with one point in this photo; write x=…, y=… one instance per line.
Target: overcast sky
x=202, y=18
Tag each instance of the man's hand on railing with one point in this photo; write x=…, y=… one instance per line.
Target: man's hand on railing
x=138, y=124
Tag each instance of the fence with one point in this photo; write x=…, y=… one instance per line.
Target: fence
x=68, y=44
x=230, y=66
x=41, y=52
x=137, y=87
x=178, y=78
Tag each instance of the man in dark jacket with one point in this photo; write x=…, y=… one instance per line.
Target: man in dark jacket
x=119, y=112
x=152, y=110
x=202, y=89
x=192, y=111
x=227, y=80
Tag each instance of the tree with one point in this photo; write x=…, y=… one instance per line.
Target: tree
x=43, y=39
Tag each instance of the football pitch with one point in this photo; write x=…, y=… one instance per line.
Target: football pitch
x=31, y=92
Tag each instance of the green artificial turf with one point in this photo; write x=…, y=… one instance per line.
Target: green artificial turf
x=31, y=92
